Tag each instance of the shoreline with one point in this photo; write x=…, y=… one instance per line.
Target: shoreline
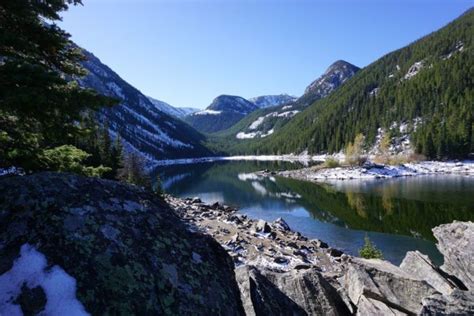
x=274, y=259
x=372, y=172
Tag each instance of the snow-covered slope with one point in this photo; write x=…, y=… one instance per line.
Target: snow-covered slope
x=266, y=101
x=171, y=110
x=222, y=113
x=140, y=123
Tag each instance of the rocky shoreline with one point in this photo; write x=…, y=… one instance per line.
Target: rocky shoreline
x=71, y=245
x=374, y=171
x=271, y=260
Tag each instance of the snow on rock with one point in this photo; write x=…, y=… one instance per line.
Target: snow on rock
x=288, y=113
x=458, y=48
x=31, y=269
x=267, y=133
x=266, y=101
x=255, y=124
x=378, y=172
x=207, y=112
x=413, y=70
x=243, y=135
x=11, y=171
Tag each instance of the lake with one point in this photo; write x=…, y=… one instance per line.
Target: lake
x=397, y=214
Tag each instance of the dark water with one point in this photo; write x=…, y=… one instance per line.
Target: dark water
x=397, y=214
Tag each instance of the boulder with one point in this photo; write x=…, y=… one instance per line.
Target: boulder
x=369, y=306
x=457, y=303
x=456, y=243
x=382, y=281
x=296, y=292
x=281, y=224
x=75, y=245
x=420, y=266
x=262, y=227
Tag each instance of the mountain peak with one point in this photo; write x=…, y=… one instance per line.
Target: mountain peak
x=340, y=64
x=336, y=74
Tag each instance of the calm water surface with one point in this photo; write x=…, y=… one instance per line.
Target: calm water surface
x=397, y=214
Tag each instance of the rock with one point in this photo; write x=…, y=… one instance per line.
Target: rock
x=420, y=266
x=280, y=260
x=262, y=227
x=108, y=248
x=335, y=252
x=196, y=200
x=281, y=224
x=456, y=243
x=457, y=303
x=319, y=244
x=384, y=282
x=296, y=292
x=369, y=306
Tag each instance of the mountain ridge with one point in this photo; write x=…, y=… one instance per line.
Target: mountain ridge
x=421, y=92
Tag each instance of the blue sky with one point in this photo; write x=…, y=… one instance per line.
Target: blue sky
x=188, y=52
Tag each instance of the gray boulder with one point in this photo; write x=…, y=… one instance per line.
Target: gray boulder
x=262, y=227
x=369, y=306
x=71, y=245
x=382, y=281
x=420, y=266
x=296, y=292
x=456, y=243
x=457, y=303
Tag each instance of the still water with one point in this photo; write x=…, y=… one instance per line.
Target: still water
x=397, y=214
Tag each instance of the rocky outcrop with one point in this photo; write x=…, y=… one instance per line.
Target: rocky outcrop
x=379, y=280
x=282, y=272
x=420, y=266
x=295, y=292
x=457, y=303
x=456, y=243
x=74, y=245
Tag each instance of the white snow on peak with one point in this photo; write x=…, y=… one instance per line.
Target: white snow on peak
x=31, y=268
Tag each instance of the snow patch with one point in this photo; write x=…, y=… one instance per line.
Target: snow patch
x=207, y=112
x=256, y=123
x=413, y=70
x=288, y=113
x=243, y=135
x=31, y=269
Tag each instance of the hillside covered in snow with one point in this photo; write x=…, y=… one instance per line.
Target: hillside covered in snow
x=143, y=126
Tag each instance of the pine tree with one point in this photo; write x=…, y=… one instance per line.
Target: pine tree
x=39, y=96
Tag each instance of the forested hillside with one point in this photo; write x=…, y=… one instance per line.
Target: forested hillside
x=266, y=121
x=424, y=90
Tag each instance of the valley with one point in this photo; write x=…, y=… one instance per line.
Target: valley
x=354, y=196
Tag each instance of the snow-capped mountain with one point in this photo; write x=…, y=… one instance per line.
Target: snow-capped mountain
x=334, y=76
x=266, y=101
x=141, y=124
x=171, y=110
x=222, y=113
x=266, y=121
